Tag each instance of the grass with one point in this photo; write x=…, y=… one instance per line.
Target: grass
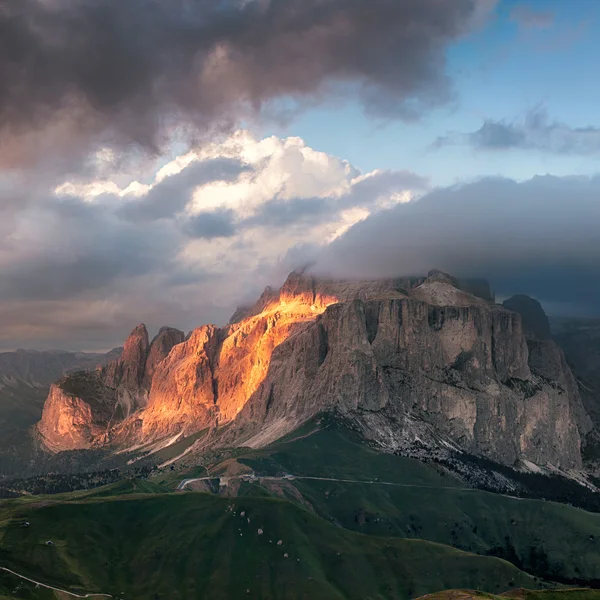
x=191, y=545
x=551, y=540
x=346, y=541
x=520, y=594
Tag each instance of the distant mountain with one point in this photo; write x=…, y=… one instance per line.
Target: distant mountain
x=580, y=339
x=42, y=368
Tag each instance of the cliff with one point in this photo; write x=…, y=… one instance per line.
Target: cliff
x=429, y=360
x=83, y=407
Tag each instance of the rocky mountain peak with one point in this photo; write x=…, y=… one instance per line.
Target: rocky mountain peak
x=161, y=345
x=535, y=320
x=128, y=370
x=405, y=358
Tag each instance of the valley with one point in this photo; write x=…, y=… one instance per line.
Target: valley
x=354, y=440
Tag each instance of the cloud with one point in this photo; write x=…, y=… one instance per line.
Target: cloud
x=78, y=75
x=539, y=237
x=211, y=224
x=372, y=191
x=170, y=195
x=83, y=260
x=535, y=132
x=529, y=18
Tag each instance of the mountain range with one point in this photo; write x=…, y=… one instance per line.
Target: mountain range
x=337, y=439
x=431, y=362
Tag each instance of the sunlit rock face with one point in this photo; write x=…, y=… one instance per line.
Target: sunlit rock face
x=389, y=354
x=79, y=410
x=84, y=407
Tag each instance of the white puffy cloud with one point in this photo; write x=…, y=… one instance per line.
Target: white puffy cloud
x=87, y=259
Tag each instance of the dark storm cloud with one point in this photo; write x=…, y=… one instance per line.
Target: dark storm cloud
x=172, y=194
x=535, y=132
x=538, y=237
x=527, y=17
x=120, y=71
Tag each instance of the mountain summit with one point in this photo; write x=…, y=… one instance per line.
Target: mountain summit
x=423, y=360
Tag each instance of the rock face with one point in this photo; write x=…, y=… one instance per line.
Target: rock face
x=430, y=359
x=82, y=408
x=461, y=368
x=535, y=321
x=79, y=410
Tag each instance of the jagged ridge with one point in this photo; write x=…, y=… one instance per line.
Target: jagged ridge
x=407, y=359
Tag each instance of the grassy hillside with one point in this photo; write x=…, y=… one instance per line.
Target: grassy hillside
x=520, y=594
x=191, y=545
x=552, y=540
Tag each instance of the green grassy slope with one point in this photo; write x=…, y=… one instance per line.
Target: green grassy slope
x=563, y=594
x=192, y=545
x=549, y=539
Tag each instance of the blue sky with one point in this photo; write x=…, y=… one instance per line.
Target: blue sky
x=500, y=72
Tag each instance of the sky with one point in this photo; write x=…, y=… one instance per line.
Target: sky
x=163, y=161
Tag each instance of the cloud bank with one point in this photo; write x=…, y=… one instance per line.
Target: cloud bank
x=539, y=237
x=77, y=74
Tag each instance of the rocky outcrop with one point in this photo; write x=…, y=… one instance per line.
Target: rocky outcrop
x=463, y=370
x=90, y=405
x=546, y=359
x=128, y=370
x=535, y=320
x=412, y=359
x=79, y=411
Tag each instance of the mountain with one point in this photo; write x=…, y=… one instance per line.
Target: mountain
x=42, y=368
x=25, y=378
x=426, y=362
x=580, y=339
x=82, y=407
x=338, y=439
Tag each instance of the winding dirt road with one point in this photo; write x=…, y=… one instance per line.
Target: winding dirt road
x=50, y=587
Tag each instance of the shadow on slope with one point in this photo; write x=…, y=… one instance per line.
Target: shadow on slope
x=190, y=545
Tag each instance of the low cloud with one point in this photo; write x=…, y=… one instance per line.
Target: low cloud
x=539, y=237
x=213, y=224
x=537, y=131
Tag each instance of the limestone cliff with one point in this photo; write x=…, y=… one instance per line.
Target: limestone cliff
x=438, y=358
x=427, y=358
x=78, y=412
x=83, y=407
